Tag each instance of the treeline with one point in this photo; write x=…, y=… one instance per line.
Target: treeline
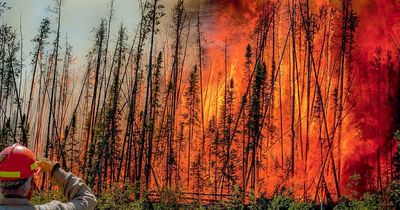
x=145, y=112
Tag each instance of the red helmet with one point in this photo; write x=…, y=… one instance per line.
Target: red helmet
x=16, y=163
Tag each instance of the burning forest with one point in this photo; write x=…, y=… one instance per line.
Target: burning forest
x=212, y=101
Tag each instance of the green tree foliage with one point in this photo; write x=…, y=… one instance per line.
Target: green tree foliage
x=9, y=73
x=119, y=198
x=193, y=99
x=6, y=135
x=72, y=145
x=109, y=142
x=8, y=60
x=229, y=155
x=191, y=116
x=255, y=117
x=3, y=7
x=393, y=193
x=396, y=157
x=93, y=132
x=198, y=170
x=40, y=40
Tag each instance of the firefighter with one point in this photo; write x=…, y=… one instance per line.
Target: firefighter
x=18, y=166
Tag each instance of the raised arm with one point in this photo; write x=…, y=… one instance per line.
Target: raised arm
x=78, y=194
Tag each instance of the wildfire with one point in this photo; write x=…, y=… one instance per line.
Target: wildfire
x=365, y=137
x=222, y=99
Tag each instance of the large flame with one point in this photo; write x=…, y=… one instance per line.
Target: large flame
x=366, y=141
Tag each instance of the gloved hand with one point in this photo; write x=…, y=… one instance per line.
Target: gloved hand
x=47, y=165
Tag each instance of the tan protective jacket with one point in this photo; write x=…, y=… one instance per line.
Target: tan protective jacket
x=76, y=192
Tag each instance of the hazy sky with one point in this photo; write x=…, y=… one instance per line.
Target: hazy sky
x=79, y=17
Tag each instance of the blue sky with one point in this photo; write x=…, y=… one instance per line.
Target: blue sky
x=79, y=17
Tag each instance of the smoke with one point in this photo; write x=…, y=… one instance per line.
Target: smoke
x=195, y=4
x=377, y=21
x=236, y=8
x=235, y=3
x=376, y=32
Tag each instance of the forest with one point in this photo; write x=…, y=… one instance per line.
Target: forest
x=214, y=104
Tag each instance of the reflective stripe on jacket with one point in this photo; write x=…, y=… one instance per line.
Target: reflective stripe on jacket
x=75, y=191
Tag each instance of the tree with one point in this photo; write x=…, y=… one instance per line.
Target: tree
x=192, y=109
x=396, y=156
x=229, y=156
x=179, y=19
x=197, y=169
x=154, y=106
x=3, y=7
x=72, y=145
x=52, y=137
x=90, y=144
x=213, y=135
x=40, y=42
x=255, y=118
x=8, y=76
x=129, y=146
x=245, y=103
x=108, y=150
x=155, y=20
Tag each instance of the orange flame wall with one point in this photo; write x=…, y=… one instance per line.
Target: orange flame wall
x=366, y=143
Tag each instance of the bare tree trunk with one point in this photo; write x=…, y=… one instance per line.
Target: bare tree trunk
x=51, y=122
x=148, y=101
x=87, y=163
